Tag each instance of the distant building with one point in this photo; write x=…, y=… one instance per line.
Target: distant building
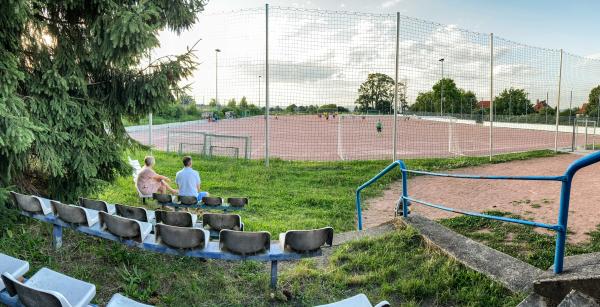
x=539, y=105
x=583, y=108
x=484, y=104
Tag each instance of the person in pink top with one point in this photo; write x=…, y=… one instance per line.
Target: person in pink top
x=148, y=181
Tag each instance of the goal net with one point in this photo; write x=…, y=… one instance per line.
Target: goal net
x=454, y=143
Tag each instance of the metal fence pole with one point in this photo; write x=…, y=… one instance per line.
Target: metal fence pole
x=395, y=141
x=558, y=103
x=491, y=95
x=150, y=131
x=267, y=84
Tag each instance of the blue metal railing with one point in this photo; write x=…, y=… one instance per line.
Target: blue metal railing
x=565, y=195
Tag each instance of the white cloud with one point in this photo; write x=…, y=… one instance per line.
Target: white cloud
x=390, y=3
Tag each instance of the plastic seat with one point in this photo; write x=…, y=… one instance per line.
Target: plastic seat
x=218, y=221
x=237, y=201
x=74, y=214
x=359, y=300
x=162, y=198
x=119, y=300
x=98, y=205
x=32, y=204
x=50, y=288
x=244, y=243
x=125, y=228
x=212, y=201
x=13, y=266
x=136, y=213
x=175, y=218
x=303, y=241
x=188, y=200
x=181, y=237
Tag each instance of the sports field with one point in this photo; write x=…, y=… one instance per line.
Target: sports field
x=353, y=137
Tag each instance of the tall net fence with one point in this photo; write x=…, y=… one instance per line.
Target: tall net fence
x=334, y=76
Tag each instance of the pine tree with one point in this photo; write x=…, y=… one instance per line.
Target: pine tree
x=69, y=72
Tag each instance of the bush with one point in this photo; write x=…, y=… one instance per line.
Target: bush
x=193, y=110
x=179, y=111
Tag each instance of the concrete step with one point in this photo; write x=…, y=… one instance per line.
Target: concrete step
x=578, y=299
x=533, y=300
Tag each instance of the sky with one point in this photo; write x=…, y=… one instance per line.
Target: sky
x=318, y=58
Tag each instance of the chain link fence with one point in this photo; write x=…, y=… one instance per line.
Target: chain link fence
x=352, y=86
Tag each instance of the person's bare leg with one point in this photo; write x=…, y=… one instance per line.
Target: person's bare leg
x=168, y=187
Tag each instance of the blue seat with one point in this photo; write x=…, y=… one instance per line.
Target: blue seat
x=359, y=300
x=119, y=300
x=13, y=266
x=50, y=288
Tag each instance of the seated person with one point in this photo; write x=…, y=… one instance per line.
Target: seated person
x=148, y=181
x=188, y=180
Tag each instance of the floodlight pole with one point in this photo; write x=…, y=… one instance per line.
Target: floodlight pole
x=442, y=89
x=570, y=106
x=558, y=102
x=259, y=76
x=395, y=141
x=267, y=85
x=217, y=75
x=491, y=95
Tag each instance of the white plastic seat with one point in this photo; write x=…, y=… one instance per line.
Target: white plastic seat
x=50, y=288
x=13, y=266
x=137, y=213
x=119, y=300
x=125, y=228
x=359, y=300
x=75, y=214
x=32, y=204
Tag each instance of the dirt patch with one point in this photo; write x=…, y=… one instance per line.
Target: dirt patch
x=536, y=200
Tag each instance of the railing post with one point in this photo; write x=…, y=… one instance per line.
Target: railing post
x=563, y=215
x=56, y=236
x=404, y=190
x=358, y=210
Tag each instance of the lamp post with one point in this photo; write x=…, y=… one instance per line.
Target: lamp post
x=442, y=89
x=217, y=75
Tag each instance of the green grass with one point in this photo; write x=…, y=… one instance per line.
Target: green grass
x=159, y=120
x=519, y=241
x=289, y=195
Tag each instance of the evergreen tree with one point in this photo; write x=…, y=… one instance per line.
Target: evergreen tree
x=69, y=72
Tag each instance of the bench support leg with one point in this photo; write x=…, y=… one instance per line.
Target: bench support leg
x=274, y=274
x=57, y=236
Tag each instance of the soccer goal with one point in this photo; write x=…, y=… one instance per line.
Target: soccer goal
x=454, y=146
x=210, y=144
x=585, y=133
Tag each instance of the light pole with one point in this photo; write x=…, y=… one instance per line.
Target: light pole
x=217, y=75
x=570, y=106
x=442, y=89
x=259, y=76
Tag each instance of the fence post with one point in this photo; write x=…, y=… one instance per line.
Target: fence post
x=150, y=131
x=395, y=141
x=558, y=103
x=491, y=95
x=267, y=84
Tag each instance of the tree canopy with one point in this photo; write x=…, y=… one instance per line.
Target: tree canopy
x=377, y=93
x=69, y=72
x=512, y=102
x=456, y=100
x=593, y=99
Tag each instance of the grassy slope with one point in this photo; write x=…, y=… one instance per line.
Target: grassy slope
x=518, y=240
x=288, y=195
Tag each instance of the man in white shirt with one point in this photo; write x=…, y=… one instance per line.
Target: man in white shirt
x=188, y=180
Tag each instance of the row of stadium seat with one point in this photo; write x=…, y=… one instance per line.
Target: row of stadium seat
x=179, y=230
x=48, y=288
x=169, y=235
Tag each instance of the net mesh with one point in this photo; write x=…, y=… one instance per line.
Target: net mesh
x=332, y=81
